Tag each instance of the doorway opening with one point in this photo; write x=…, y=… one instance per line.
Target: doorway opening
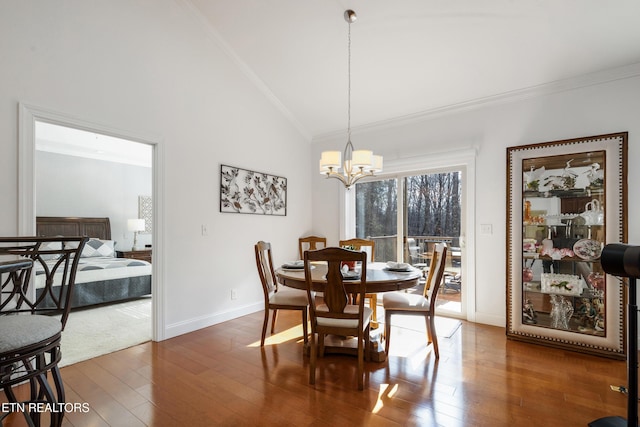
x=29, y=115
x=81, y=176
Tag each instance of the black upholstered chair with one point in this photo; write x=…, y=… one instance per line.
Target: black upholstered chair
x=37, y=275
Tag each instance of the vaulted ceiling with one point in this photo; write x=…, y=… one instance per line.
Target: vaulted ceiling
x=413, y=57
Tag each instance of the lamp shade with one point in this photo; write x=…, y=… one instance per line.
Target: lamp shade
x=135, y=224
x=330, y=159
x=362, y=158
x=376, y=164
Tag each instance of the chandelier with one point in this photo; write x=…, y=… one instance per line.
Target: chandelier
x=357, y=163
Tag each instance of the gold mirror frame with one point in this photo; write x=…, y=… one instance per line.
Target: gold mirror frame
x=608, y=337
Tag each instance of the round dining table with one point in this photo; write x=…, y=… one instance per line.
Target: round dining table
x=379, y=279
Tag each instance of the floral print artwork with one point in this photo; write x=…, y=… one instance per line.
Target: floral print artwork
x=245, y=191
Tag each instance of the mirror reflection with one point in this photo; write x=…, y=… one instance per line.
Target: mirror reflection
x=563, y=231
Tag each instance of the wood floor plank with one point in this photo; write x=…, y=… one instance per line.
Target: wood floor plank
x=220, y=376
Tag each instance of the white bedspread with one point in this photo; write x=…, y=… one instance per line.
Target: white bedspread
x=94, y=269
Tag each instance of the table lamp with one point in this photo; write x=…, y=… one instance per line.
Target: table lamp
x=135, y=225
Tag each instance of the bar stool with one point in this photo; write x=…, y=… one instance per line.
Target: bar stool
x=30, y=341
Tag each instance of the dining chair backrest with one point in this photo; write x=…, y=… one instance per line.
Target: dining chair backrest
x=264, y=262
x=335, y=292
x=436, y=271
x=46, y=287
x=311, y=243
x=366, y=245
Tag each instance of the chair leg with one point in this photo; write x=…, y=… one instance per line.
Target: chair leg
x=373, y=304
x=8, y=391
x=387, y=331
x=273, y=321
x=367, y=344
x=264, y=326
x=431, y=335
x=312, y=362
x=57, y=378
x=304, y=326
x=361, y=361
x=321, y=345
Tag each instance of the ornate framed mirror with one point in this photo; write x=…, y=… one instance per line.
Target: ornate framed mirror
x=565, y=201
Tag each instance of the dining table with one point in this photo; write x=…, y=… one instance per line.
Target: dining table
x=380, y=278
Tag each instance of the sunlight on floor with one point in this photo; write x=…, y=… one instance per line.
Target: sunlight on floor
x=409, y=345
x=384, y=394
x=453, y=306
x=291, y=334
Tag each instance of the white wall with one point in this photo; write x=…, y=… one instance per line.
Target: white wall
x=149, y=67
x=77, y=186
x=593, y=110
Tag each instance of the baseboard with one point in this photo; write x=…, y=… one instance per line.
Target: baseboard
x=490, y=319
x=194, y=324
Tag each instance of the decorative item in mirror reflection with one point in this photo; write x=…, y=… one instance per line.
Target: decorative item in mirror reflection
x=566, y=200
x=561, y=311
x=529, y=314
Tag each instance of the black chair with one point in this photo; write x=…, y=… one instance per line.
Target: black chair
x=37, y=275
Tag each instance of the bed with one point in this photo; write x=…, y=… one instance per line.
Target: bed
x=101, y=277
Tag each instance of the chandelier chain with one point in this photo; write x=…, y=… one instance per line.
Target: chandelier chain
x=349, y=87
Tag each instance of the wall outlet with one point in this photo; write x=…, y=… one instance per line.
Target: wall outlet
x=486, y=229
x=234, y=294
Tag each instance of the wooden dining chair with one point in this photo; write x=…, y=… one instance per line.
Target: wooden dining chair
x=311, y=243
x=334, y=315
x=277, y=297
x=31, y=324
x=370, y=248
x=415, y=304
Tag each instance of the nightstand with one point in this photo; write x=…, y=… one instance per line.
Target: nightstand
x=143, y=254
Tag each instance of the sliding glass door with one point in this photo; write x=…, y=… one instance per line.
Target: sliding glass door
x=423, y=209
x=377, y=216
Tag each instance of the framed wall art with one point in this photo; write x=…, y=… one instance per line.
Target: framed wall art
x=246, y=191
x=145, y=211
x=565, y=201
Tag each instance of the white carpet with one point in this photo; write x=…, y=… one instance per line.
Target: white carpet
x=93, y=332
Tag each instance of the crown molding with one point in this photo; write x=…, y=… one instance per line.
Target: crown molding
x=585, y=80
x=577, y=82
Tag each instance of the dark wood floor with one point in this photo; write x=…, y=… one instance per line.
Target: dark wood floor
x=221, y=376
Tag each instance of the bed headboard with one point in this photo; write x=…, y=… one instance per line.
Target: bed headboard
x=98, y=228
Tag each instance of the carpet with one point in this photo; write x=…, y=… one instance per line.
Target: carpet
x=96, y=331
